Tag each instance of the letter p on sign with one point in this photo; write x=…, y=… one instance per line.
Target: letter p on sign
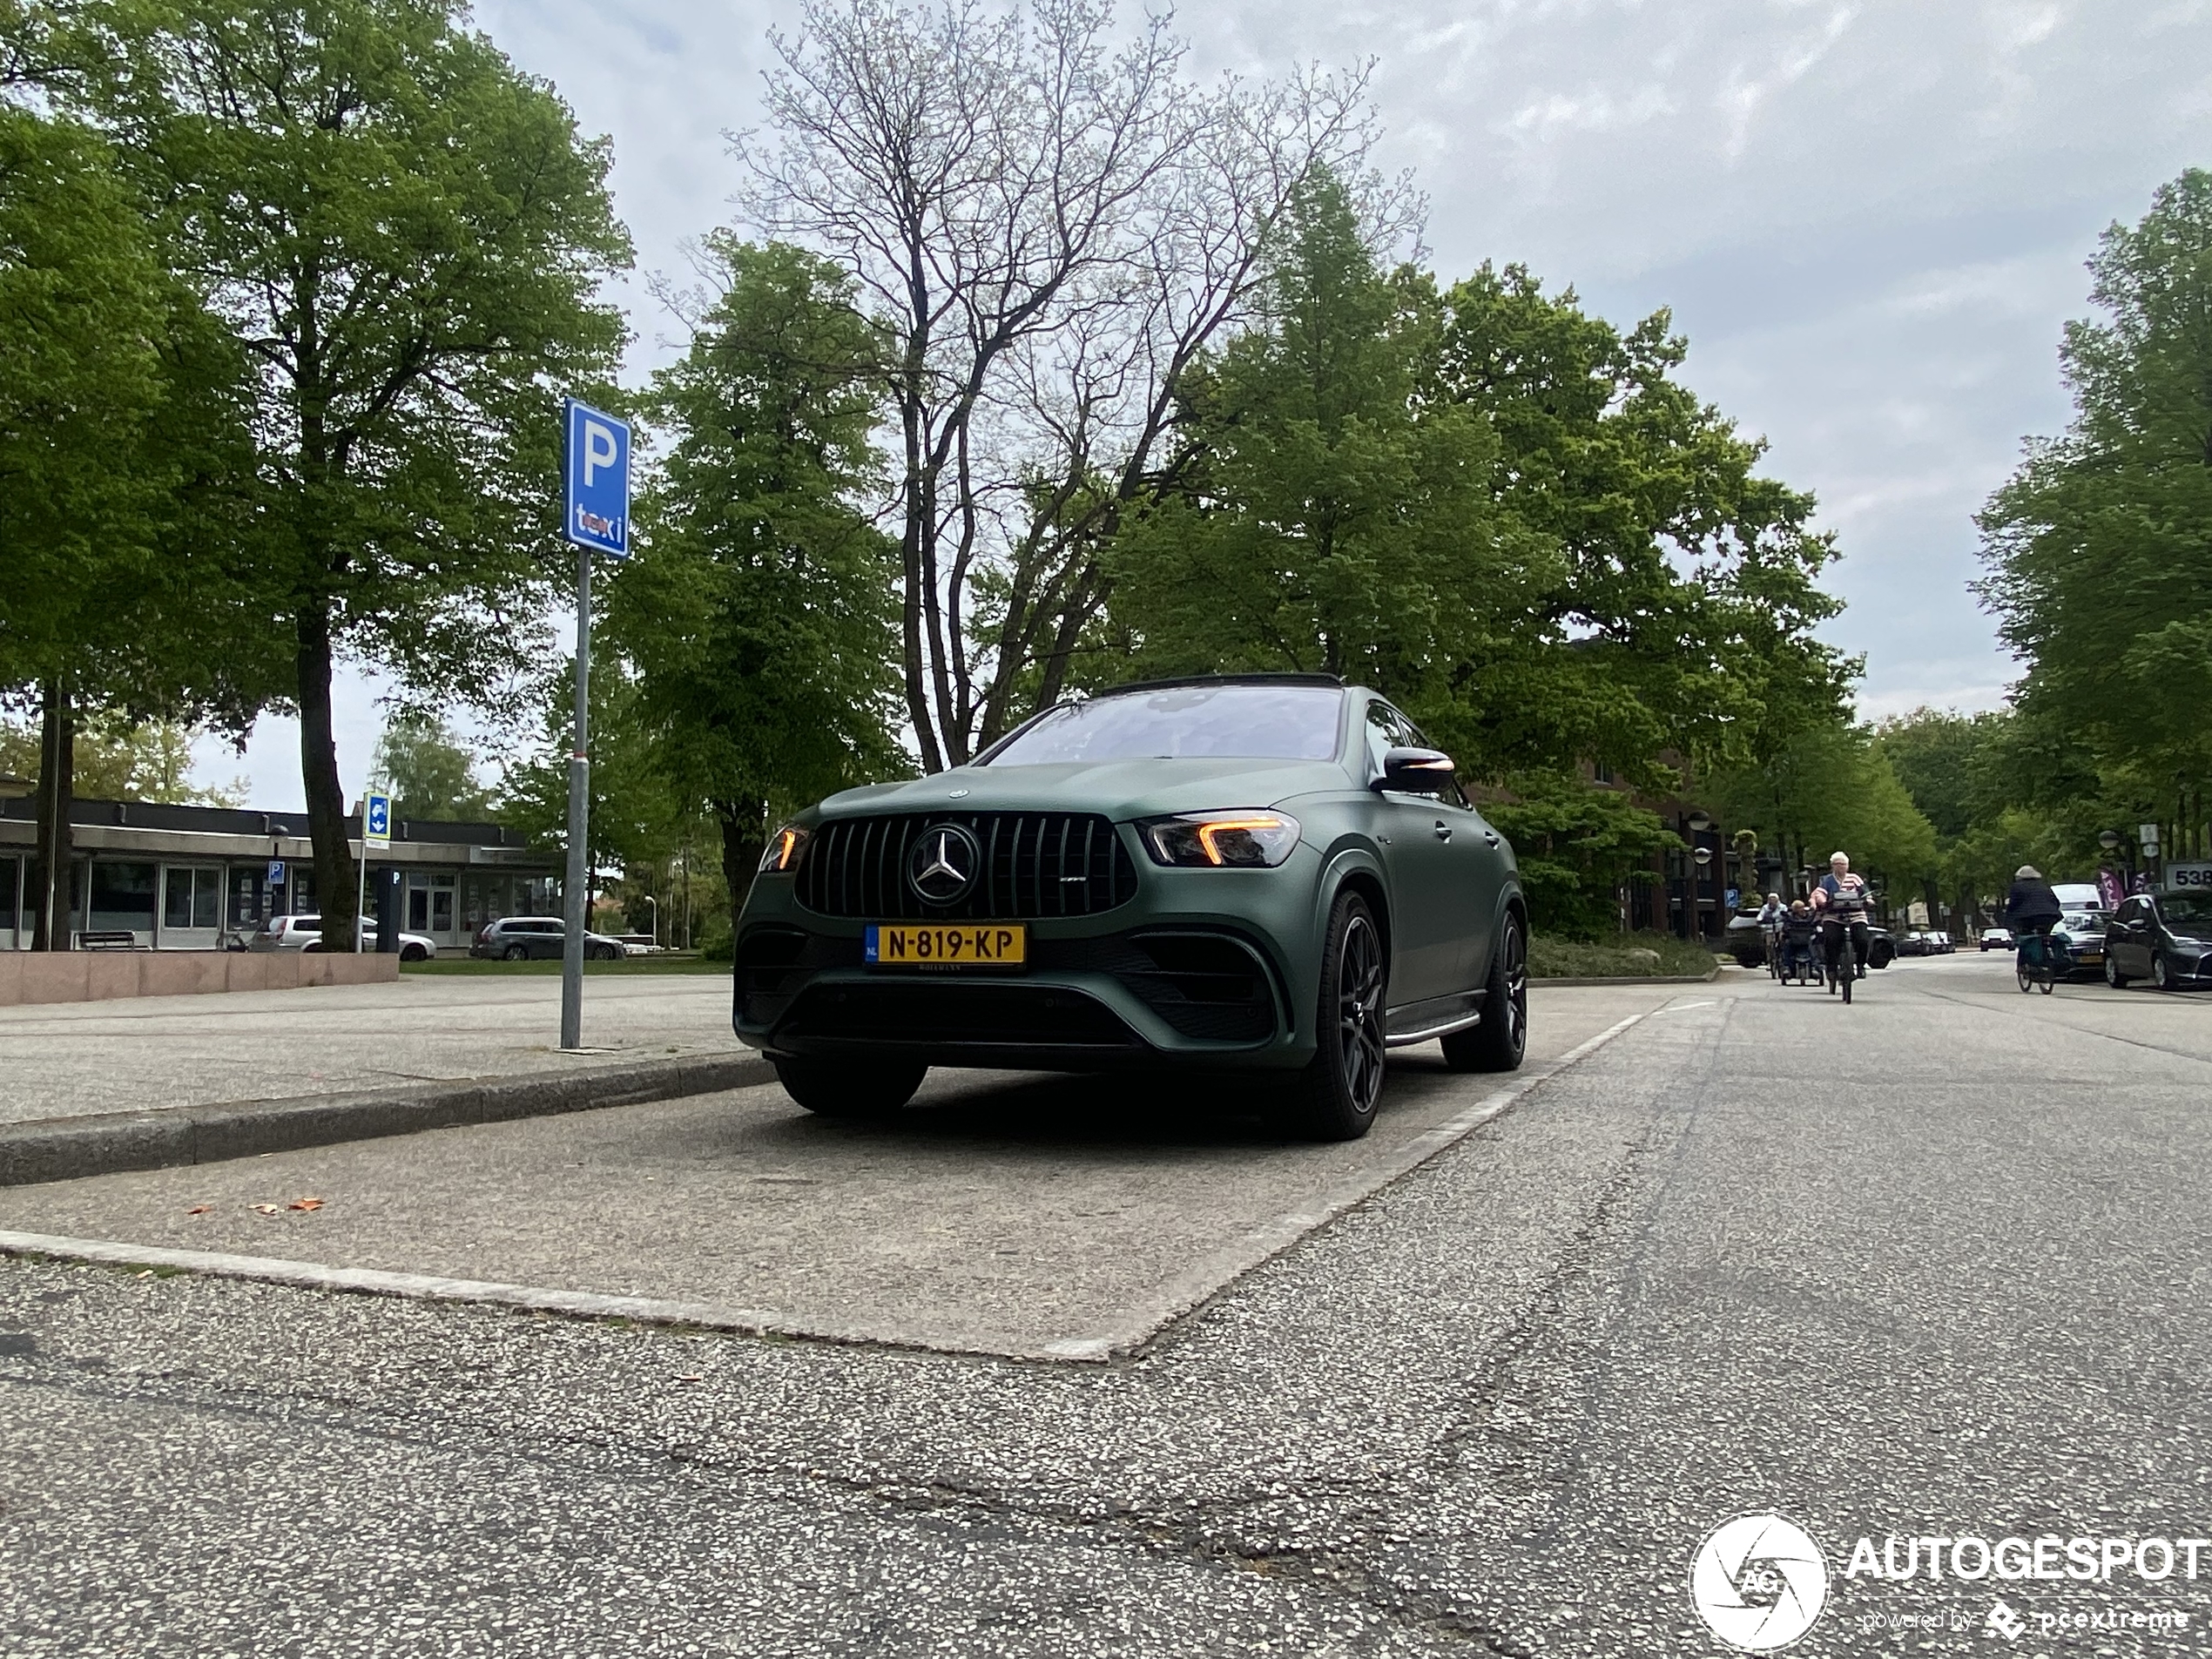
x=595, y=495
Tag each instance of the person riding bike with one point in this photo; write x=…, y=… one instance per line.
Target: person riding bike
x=1772, y=914
x=2032, y=908
x=1842, y=900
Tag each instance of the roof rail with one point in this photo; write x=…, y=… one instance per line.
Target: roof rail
x=1334, y=682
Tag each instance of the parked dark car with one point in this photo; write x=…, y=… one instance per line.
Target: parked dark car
x=2082, y=932
x=2165, y=938
x=516, y=939
x=1271, y=875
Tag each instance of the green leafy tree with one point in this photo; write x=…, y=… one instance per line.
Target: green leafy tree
x=1323, y=518
x=1674, y=620
x=115, y=759
x=123, y=499
x=1830, y=789
x=405, y=234
x=1577, y=847
x=428, y=774
x=636, y=818
x=2100, y=547
x=761, y=610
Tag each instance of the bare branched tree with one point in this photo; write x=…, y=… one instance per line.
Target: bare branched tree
x=1050, y=224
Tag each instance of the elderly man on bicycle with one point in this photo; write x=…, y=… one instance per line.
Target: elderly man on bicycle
x=1841, y=899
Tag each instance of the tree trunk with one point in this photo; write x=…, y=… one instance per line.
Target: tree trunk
x=334, y=896
x=56, y=789
x=745, y=837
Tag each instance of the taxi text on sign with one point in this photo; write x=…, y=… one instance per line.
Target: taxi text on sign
x=595, y=494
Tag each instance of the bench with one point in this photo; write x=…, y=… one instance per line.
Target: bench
x=119, y=939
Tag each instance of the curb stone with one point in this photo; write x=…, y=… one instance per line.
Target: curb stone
x=1632, y=979
x=62, y=1148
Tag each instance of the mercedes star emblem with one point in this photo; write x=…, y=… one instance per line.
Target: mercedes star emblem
x=943, y=864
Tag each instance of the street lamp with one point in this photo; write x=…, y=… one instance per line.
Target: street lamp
x=649, y=900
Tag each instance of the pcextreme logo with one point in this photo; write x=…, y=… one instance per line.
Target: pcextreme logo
x=1758, y=1582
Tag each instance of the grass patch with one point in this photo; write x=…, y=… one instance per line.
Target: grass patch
x=1631, y=956
x=677, y=963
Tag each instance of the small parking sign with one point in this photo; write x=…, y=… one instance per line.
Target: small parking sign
x=596, y=501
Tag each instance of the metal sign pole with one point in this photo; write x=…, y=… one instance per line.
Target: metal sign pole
x=596, y=517
x=572, y=896
x=361, y=873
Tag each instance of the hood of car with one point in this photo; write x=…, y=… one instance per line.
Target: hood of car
x=1118, y=789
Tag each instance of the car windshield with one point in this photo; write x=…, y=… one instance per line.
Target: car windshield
x=1254, y=721
x=2186, y=911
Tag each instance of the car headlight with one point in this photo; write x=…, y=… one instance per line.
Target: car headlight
x=784, y=849
x=1245, y=838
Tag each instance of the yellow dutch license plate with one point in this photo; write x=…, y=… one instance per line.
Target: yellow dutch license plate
x=967, y=944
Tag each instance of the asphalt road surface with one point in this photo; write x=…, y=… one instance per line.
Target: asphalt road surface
x=1932, y=1265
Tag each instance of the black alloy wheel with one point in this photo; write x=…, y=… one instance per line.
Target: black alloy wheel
x=847, y=1089
x=1500, y=1042
x=414, y=954
x=2113, y=977
x=1334, y=1098
x=2161, y=971
x=514, y=954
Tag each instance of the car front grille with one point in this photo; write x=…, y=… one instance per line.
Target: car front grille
x=1034, y=865
x=934, y=1013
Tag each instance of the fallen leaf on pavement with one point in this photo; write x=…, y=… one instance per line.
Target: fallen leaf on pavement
x=199, y=1210
x=305, y=1204
x=264, y=1209
x=691, y=1377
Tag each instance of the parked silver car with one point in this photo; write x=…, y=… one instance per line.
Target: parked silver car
x=516, y=939
x=305, y=933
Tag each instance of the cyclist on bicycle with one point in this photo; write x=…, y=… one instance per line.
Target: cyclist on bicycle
x=2031, y=906
x=1841, y=899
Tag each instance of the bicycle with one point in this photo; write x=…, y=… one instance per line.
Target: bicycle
x=2040, y=961
x=1844, y=974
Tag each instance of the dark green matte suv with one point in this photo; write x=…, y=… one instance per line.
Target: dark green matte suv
x=1259, y=874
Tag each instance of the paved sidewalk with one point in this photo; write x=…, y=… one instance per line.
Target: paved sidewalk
x=73, y=1059
x=1011, y=1213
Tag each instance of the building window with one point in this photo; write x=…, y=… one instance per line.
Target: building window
x=190, y=898
x=122, y=898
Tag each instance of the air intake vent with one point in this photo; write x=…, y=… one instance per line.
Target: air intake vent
x=1033, y=864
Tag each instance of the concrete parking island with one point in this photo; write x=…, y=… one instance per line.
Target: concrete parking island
x=29, y=977
x=1017, y=1215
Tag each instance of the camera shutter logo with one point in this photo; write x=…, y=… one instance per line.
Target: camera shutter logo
x=1759, y=1582
x=944, y=863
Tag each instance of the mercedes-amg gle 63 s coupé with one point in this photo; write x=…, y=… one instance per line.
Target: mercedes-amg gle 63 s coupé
x=1265, y=875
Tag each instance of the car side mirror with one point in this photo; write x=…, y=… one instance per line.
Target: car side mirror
x=1415, y=771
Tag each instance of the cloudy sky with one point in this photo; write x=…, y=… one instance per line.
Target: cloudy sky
x=1869, y=218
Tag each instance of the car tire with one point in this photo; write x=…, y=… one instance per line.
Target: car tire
x=1335, y=1097
x=414, y=954
x=841, y=1088
x=1500, y=1042
x=515, y=953
x=2162, y=973
x=2113, y=977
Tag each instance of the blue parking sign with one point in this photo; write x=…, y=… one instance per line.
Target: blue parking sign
x=376, y=827
x=596, y=499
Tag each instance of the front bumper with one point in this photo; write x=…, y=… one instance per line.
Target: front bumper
x=1150, y=983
